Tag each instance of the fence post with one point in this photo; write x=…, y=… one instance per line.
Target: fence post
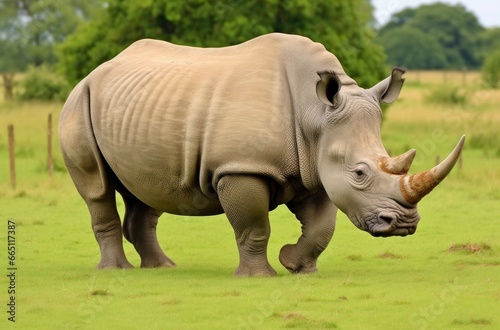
x=50, y=160
x=12, y=162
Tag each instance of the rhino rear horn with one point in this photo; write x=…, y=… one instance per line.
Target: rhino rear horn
x=399, y=164
x=416, y=186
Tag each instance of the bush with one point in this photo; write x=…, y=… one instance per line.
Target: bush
x=43, y=83
x=448, y=94
x=485, y=139
x=491, y=70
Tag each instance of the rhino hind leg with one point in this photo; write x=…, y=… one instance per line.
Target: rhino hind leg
x=91, y=176
x=139, y=228
x=106, y=227
x=245, y=200
x=317, y=216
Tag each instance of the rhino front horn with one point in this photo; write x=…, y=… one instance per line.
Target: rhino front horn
x=415, y=187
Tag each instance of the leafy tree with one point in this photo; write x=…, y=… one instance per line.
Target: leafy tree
x=13, y=49
x=13, y=60
x=398, y=20
x=42, y=83
x=413, y=48
x=447, y=32
x=342, y=26
x=490, y=41
x=29, y=29
x=491, y=69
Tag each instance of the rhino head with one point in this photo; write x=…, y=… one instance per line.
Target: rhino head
x=373, y=189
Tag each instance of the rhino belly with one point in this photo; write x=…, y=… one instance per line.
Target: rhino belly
x=163, y=189
x=158, y=163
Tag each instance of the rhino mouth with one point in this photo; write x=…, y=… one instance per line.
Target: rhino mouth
x=386, y=224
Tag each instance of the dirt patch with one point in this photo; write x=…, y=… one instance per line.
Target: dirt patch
x=471, y=321
x=294, y=316
x=390, y=255
x=354, y=257
x=232, y=293
x=469, y=248
x=101, y=293
x=170, y=301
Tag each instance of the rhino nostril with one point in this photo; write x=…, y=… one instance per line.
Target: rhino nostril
x=387, y=218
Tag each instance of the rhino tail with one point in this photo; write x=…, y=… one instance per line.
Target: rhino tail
x=80, y=151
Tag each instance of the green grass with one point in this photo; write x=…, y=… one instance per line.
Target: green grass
x=449, y=95
x=444, y=276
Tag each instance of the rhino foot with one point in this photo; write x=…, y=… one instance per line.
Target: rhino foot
x=111, y=264
x=247, y=271
x=163, y=262
x=112, y=254
x=292, y=260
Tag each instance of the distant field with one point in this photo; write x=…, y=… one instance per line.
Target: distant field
x=445, y=276
x=462, y=77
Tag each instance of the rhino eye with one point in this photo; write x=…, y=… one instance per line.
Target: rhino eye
x=360, y=175
x=359, y=172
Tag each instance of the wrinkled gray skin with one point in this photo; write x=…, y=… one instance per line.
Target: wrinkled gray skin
x=236, y=130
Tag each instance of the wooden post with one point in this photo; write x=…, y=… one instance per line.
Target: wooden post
x=50, y=160
x=12, y=161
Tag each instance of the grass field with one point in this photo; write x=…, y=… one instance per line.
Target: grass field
x=446, y=276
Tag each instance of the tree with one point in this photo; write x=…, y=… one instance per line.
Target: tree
x=342, y=26
x=490, y=41
x=29, y=29
x=447, y=32
x=411, y=48
x=398, y=20
x=491, y=69
x=13, y=49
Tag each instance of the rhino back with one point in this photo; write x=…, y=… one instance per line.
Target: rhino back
x=171, y=120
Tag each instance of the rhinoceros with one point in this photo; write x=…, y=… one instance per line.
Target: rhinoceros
x=237, y=130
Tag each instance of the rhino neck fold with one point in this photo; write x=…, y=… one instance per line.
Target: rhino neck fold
x=307, y=137
x=307, y=164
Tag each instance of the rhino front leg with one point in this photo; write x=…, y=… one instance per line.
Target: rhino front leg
x=317, y=216
x=139, y=228
x=245, y=200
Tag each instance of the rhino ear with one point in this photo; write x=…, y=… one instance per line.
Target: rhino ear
x=388, y=90
x=328, y=88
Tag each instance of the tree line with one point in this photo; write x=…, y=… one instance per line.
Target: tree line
x=31, y=30
x=437, y=36
x=69, y=38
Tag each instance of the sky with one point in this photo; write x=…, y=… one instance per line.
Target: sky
x=487, y=11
